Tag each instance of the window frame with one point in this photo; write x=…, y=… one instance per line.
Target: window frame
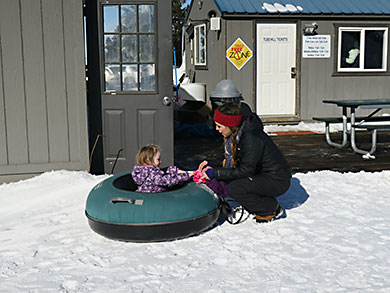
x=121, y=63
x=362, y=30
x=197, y=43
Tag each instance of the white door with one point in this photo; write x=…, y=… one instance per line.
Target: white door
x=276, y=68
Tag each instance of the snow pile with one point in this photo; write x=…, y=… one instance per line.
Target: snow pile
x=317, y=127
x=303, y=126
x=335, y=236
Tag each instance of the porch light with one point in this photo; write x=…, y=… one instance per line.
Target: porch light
x=310, y=29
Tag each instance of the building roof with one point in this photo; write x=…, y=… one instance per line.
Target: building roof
x=311, y=7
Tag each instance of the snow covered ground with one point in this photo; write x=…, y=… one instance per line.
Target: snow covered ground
x=334, y=237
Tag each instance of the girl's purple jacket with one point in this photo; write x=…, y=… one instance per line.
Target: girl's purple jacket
x=153, y=179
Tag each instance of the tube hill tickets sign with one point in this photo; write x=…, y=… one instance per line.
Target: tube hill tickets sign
x=239, y=54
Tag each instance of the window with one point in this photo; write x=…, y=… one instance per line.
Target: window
x=200, y=45
x=362, y=49
x=129, y=48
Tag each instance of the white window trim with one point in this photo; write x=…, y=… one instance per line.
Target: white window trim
x=362, y=48
x=197, y=45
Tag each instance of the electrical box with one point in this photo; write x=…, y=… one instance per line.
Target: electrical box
x=215, y=23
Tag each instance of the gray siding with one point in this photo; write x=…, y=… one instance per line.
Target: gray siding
x=216, y=66
x=43, y=119
x=245, y=77
x=318, y=81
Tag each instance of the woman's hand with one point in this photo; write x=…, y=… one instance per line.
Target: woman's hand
x=180, y=171
x=204, y=175
x=201, y=165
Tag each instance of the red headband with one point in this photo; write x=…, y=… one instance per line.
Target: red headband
x=227, y=120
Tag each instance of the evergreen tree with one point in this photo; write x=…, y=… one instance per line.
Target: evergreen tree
x=178, y=16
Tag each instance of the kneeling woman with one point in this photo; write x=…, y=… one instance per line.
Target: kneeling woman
x=254, y=169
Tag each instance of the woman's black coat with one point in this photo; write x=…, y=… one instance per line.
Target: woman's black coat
x=256, y=153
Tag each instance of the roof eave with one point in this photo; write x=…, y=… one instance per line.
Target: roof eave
x=303, y=15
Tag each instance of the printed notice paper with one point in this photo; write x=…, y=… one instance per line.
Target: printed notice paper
x=316, y=46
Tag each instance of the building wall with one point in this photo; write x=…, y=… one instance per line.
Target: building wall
x=244, y=78
x=316, y=78
x=43, y=117
x=216, y=68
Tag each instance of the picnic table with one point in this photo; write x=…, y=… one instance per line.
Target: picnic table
x=363, y=122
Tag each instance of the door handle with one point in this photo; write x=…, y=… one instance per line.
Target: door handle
x=293, y=72
x=166, y=101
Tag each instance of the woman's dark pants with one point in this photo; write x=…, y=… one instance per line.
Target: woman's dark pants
x=258, y=193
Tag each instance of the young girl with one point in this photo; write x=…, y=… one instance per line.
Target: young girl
x=149, y=177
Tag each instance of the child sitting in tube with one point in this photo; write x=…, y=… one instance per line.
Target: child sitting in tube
x=148, y=175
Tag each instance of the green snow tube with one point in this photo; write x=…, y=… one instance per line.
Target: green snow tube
x=116, y=211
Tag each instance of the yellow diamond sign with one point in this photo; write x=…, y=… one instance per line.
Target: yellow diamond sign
x=239, y=54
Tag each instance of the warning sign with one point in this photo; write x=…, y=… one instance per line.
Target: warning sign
x=239, y=54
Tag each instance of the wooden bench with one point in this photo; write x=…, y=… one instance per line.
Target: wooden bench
x=345, y=120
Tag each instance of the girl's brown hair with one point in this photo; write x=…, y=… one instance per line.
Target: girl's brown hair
x=146, y=154
x=231, y=109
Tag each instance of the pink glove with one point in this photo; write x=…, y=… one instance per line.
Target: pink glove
x=197, y=176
